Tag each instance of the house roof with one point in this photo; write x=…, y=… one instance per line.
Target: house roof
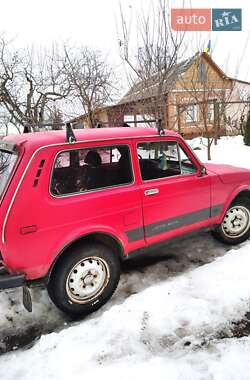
x=148, y=88
x=240, y=81
x=143, y=90
x=210, y=61
x=85, y=115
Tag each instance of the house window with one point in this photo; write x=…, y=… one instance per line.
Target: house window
x=202, y=74
x=191, y=113
x=210, y=111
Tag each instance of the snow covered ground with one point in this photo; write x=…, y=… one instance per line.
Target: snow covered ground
x=172, y=317
x=230, y=150
x=168, y=330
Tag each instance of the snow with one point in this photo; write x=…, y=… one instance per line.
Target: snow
x=148, y=333
x=166, y=320
x=230, y=150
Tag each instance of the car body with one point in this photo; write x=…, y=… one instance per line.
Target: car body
x=125, y=189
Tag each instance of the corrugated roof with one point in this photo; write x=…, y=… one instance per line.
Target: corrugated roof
x=148, y=88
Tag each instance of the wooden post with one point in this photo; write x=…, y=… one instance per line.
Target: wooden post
x=135, y=119
x=178, y=118
x=216, y=121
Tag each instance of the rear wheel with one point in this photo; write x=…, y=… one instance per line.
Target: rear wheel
x=235, y=227
x=84, y=280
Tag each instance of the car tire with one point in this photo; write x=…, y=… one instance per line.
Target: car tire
x=235, y=227
x=84, y=279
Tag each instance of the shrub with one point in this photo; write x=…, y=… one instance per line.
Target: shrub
x=247, y=131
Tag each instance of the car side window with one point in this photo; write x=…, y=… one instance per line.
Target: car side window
x=82, y=170
x=187, y=166
x=160, y=159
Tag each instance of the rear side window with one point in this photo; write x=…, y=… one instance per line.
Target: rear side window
x=7, y=162
x=82, y=170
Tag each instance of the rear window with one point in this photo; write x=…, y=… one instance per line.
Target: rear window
x=7, y=162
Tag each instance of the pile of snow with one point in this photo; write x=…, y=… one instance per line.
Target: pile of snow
x=229, y=150
x=165, y=330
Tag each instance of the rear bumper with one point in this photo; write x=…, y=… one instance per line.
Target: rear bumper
x=8, y=281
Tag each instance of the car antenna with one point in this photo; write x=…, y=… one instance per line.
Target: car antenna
x=160, y=128
x=70, y=137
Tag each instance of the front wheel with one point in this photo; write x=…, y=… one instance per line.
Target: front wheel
x=84, y=280
x=235, y=227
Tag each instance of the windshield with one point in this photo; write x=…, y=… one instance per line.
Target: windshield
x=7, y=162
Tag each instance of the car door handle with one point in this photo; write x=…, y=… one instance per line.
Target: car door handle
x=151, y=192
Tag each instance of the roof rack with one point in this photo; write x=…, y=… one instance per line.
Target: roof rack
x=126, y=123
x=160, y=128
x=70, y=137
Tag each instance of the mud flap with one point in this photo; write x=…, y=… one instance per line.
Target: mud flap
x=27, y=301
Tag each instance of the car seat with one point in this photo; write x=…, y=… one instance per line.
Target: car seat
x=94, y=173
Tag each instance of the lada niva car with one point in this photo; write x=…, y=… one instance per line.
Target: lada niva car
x=73, y=208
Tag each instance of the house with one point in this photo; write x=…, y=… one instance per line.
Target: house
x=194, y=97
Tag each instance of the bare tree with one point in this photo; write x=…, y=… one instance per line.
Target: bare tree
x=206, y=97
x=30, y=83
x=158, y=49
x=91, y=79
x=56, y=117
x=6, y=125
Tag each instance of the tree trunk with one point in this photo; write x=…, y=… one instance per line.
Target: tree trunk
x=209, y=143
x=216, y=121
x=178, y=119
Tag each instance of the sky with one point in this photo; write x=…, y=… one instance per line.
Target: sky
x=96, y=22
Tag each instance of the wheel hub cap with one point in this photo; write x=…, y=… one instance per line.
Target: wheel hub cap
x=236, y=221
x=87, y=279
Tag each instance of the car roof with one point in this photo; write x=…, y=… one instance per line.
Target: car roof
x=36, y=140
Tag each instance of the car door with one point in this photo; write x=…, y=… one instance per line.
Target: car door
x=101, y=196
x=175, y=198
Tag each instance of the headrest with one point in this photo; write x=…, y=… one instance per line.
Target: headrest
x=93, y=158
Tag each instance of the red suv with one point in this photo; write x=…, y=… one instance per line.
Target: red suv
x=71, y=211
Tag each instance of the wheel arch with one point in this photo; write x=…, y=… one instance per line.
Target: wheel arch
x=242, y=194
x=104, y=238
x=227, y=234
x=239, y=193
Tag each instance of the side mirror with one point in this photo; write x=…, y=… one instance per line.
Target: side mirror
x=202, y=171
